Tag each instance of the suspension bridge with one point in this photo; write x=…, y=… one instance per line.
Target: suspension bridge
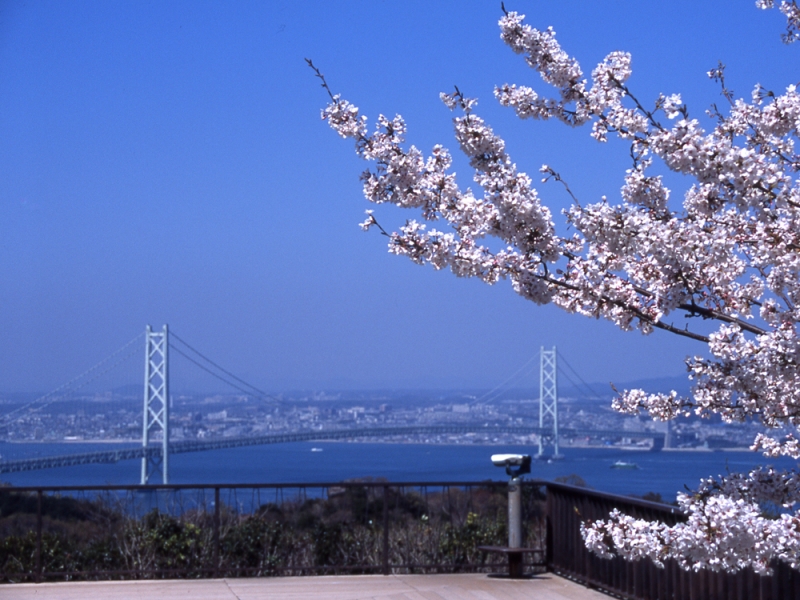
x=157, y=445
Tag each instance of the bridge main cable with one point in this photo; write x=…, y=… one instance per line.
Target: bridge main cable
x=258, y=392
x=7, y=418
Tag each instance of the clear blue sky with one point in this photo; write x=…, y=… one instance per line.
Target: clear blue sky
x=165, y=162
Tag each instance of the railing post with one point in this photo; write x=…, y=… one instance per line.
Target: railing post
x=216, y=531
x=548, y=533
x=39, y=536
x=386, y=570
x=514, y=513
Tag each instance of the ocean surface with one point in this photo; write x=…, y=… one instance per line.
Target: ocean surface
x=665, y=473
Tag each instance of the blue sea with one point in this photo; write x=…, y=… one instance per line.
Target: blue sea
x=665, y=473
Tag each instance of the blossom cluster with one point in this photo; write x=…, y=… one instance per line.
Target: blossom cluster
x=729, y=253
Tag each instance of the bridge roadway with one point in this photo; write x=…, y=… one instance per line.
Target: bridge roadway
x=113, y=456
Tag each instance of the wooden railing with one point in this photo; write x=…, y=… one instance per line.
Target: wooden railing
x=568, y=506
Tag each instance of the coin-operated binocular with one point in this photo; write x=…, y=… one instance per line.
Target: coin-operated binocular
x=516, y=466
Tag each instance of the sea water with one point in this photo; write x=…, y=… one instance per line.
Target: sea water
x=665, y=473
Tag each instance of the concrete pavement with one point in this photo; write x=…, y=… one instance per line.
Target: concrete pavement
x=337, y=587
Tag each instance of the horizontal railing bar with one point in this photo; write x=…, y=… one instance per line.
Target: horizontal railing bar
x=583, y=491
x=630, y=500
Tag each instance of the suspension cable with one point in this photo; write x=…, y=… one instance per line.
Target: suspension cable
x=7, y=418
x=512, y=377
x=586, y=385
x=258, y=391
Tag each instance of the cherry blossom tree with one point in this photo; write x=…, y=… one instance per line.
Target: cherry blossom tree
x=729, y=253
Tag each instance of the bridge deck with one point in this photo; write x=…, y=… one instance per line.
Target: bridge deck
x=351, y=587
x=178, y=447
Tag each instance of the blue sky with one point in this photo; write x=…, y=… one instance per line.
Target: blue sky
x=164, y=162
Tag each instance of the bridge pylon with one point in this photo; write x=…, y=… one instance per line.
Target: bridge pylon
x=548, y=401
x=155, y=417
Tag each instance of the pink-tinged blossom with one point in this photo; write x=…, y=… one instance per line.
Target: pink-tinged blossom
x=728, y=252
x=792, y=13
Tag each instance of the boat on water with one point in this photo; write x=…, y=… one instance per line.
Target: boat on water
x=621, y=464
x=316, y=449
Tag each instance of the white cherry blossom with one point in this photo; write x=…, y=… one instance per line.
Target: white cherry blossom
x=729, y=253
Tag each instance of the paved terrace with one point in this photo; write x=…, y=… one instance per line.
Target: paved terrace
x=340, y=587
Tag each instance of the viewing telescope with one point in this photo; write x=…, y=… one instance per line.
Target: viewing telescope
x=522, y=462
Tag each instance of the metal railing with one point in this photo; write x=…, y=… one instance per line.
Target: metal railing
x=157, y=531
x=116, y=532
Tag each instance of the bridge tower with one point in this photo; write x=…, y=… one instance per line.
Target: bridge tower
x=548, y=400
x=156, y=405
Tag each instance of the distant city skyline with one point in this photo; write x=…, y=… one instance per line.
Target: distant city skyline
x=165, y=163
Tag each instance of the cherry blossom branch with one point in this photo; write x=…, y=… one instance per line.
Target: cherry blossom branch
x=638, y=313
x=552, y=174
x=707, y=313
x=324, y=84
